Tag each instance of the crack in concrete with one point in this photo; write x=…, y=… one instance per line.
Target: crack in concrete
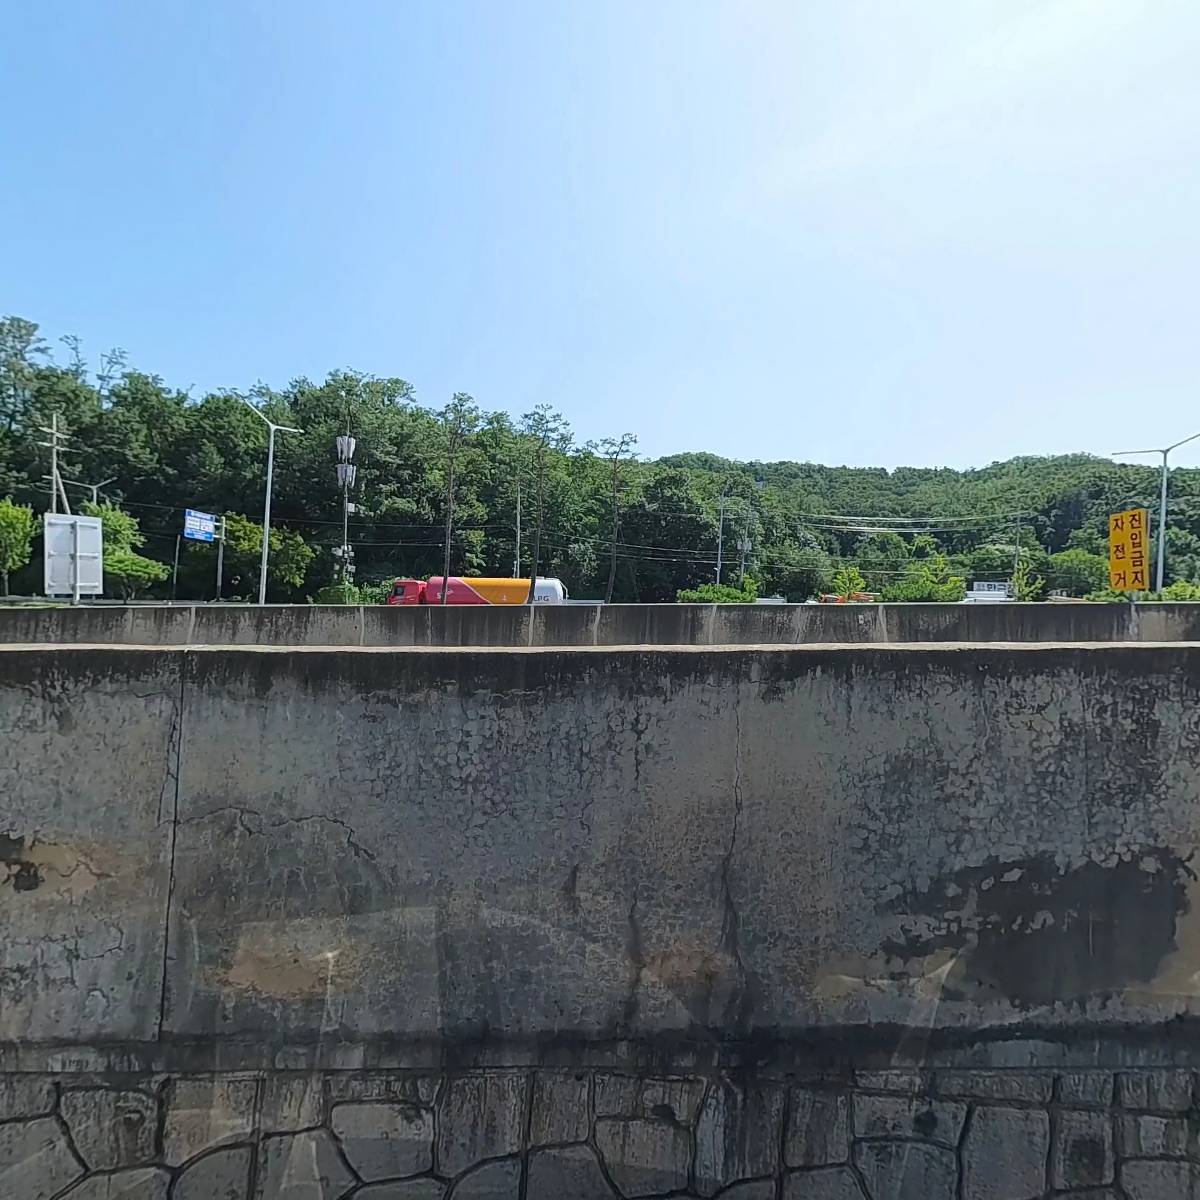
x=637, y=959
x=731, y=919
x=242, y=814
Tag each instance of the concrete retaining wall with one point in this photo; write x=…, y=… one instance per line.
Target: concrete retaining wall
x=859, y=922
x=600, y=625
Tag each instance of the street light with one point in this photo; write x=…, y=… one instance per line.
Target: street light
x=1162, y=508
x=262, y=571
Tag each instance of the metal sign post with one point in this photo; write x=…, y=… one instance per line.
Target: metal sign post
x=220, y=555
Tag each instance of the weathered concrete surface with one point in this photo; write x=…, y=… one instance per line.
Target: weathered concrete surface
x=599, y=625
x=604, y=844
x=87, y=801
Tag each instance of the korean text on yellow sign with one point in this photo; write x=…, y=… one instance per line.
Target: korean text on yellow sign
x=1129, y=551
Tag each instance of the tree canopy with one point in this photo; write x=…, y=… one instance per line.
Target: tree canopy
x=603, y=520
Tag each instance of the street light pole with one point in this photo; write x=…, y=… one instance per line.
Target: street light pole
x=1162, y=504
x=266, y=526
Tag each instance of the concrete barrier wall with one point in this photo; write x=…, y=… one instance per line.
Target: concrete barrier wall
x=836, y=922
x=599, y=625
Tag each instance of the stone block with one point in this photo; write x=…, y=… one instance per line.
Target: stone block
x=758, y=1189
x=560, y=1109
x=25, y=1096
x=617, y=1095
x=1086, y=1087
x=206, y=1112
x=385, y=1141
x=906, y=1170
x=222, y=1175
x=673, y=1099
x=1148, y=1179
x=569, y=1173
x=1004, y=1154
x=829, y=1183
x=904, y=1082
x=111, y=1129
x=404, y=1189
x=290, y=1103
x=140, y=1183
x=1144, y=1136
x=737, y=1134
x=644, y=1157
x=818, y=1130
x=384, y=1085
x=480, y=1116
x=1156, y=1091
x=35, y=1160
x=302, y=1166
x=909, y=1117
x=1083, y=1150
x=498, y=1180
x=995, y=1085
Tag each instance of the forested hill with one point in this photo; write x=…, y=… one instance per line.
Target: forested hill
x=794, y=523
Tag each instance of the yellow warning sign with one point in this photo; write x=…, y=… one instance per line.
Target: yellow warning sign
x=1129, y=551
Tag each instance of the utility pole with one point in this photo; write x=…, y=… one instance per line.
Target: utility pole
x=57, y=491
x=346, y=471
x=744, y=546
x=1016, y=557
x=1162, y=503
x=266, y=526
x=720, y=536
x=517, y=554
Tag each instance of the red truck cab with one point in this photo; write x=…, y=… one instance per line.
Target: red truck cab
x=407, y=591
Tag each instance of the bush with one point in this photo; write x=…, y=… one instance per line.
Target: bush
x=338, y=593
x=718, y=593
x=375, y=593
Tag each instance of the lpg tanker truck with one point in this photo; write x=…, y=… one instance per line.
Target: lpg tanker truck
x=470, y=589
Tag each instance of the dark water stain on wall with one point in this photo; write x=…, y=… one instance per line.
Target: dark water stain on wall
x=1036, y=934
x=22, y=874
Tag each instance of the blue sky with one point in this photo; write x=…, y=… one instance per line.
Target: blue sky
x=881, y=233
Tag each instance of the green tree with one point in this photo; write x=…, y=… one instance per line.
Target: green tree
x=120, y=531
x=881, y=557
x=287, y=563
x=1077, y=572
x=544, y=431
x=16, y=538
x=847, y=580
x=124, y=568
x=132, y=573
x=927, y=581
x=1025, y=584
x=617, y=453
x=460, y=420
x=796, y=569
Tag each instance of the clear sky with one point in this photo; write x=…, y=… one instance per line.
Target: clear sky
x=849, y=231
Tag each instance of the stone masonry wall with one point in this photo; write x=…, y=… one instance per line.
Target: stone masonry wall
x=597, y=1135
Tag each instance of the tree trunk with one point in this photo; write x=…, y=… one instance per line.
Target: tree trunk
x=612, y=561
x=5, y=574
x=449, y=525
x=537, y=532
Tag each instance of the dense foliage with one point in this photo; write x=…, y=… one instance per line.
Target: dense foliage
x=911, y=533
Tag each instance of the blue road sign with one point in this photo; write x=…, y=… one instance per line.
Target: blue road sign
x=200, y=526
